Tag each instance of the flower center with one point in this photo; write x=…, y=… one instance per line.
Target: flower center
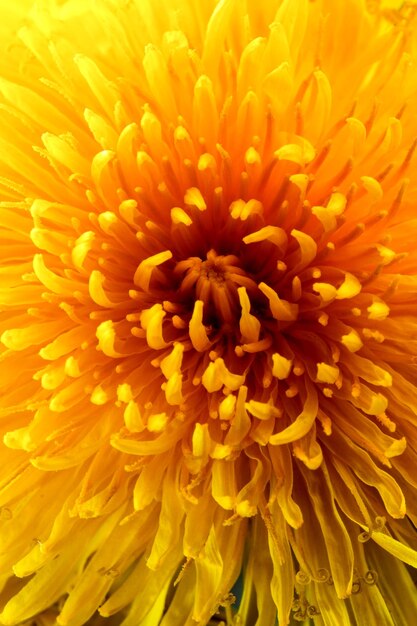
x=215, y=282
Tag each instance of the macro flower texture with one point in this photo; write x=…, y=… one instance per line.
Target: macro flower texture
x=208, y=313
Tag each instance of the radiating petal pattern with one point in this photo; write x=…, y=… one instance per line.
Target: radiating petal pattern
x=208, y=312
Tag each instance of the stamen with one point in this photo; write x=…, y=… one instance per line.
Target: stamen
x=249, y=325
x=96, y=289
x=252, y=157
x=239, y=209
x=282, y=310
x=106, y=336
x=179, y=216
x=198, y=332
x=133, y=418
x=255, y=346
x=151, y=321
x=193, y=198
x=147, y=268
x=172, y=363
x=274, y=234
x=173, y=389
x=352, y=341
x=281, y=366
x=373, y=187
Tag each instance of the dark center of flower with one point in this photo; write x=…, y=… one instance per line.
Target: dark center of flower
x=215, y=282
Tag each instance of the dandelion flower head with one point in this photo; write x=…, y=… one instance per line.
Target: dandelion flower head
x=208, y=313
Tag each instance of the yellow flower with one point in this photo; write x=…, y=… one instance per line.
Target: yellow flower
x=208, y=312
